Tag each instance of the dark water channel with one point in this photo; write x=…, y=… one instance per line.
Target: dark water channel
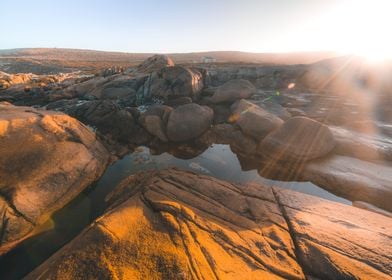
x=218, y=161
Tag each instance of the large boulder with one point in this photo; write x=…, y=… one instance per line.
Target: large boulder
x=46, y=159
x=298, y=139
x=233, y=90
x=178, y=225
x=155, y=63
x=173, y=82
x=188, y=121
x=253, y=120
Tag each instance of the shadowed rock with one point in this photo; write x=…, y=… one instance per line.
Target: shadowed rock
x=107, y=117
x=233, y=90
x=188, y=121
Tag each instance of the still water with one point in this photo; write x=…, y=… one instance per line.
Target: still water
x=217, y=161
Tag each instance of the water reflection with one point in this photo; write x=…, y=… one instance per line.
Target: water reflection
x=217, y=161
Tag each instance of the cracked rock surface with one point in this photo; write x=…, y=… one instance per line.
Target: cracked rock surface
x=46, y=159
x=174, y=224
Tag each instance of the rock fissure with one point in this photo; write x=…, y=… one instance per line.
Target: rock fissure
x=291, y=231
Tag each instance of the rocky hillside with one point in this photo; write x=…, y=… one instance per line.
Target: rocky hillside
x=54, y=60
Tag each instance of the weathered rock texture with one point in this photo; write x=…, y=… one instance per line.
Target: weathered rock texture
x=179, y=225
x=46, y=159
x=106, y=116
x=172, y=82
x=188, y=121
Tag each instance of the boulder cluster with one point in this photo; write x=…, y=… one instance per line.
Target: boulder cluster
x=70, y=127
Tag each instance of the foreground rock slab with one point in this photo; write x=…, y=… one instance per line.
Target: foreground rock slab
x=174, y=224
x=46, y=159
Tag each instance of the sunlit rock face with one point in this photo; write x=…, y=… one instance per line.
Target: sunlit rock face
x=155, y=63
x=14, y=79
x=174, y=224
x=46, y=159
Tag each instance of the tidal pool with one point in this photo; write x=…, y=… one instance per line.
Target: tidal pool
x=217, y=161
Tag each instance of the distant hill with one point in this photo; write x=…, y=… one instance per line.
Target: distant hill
x=220, y=56
x=57, y=59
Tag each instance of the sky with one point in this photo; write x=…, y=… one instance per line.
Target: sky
x=168, y=26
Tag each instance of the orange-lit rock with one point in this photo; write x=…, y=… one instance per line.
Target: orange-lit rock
x=178, y=225
x=46, y=159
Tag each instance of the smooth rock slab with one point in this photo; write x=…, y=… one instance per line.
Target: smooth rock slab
x=178, y=225
x=336, y=241
x=46, y=159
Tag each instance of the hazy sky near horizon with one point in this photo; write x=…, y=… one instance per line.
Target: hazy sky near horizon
x=186, y=26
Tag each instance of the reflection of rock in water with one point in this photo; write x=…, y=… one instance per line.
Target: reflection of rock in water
x=187, y=151
x=282, y=171
x=196, y=166
x=141, y=156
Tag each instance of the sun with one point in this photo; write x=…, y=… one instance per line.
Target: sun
x=359, y=27
x=362, y=28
